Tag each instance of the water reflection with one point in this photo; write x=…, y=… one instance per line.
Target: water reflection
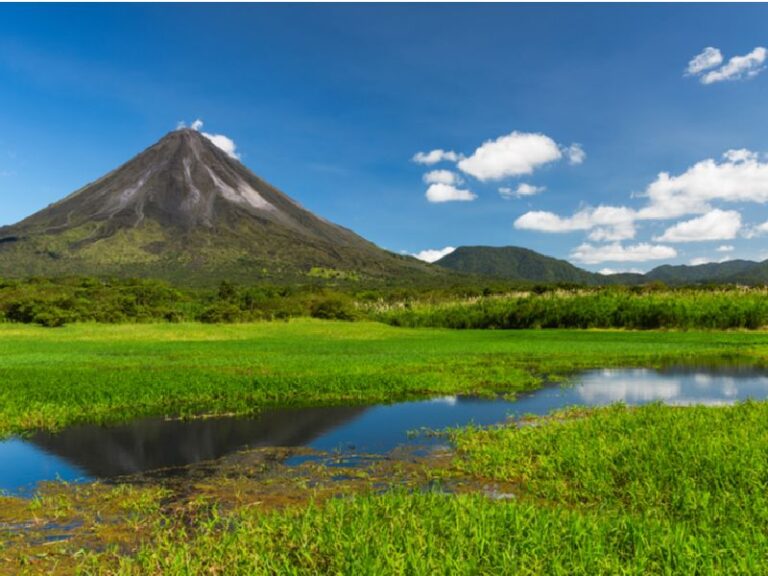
x=671, y=387
x=151, y=444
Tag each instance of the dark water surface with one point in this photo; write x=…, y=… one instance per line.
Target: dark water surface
x=88, y=452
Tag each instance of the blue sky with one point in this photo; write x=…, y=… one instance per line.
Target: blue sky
x=331, y=102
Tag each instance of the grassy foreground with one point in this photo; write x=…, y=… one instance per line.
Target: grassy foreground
x=95, y=373
x=652, y=490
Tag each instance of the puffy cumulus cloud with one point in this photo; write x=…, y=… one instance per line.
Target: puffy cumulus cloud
x=521, y=191
x=725, y=248
x=738, y=67
x=515, y=154
x=433, y=255
x=575, y=154
x=714, y=225
x=605, y=223
x=616, y=252
x=708, y=58
x=219, y=140
x=440, y=192
x=435, y=156
x=739, y=177
x=442, y=177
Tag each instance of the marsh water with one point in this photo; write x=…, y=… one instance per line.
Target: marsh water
x=87, y=452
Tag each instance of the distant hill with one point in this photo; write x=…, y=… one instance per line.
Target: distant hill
x=514, y=263
x=185, y=211
x=712, y=272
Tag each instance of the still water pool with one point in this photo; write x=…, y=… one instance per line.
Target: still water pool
x=87, y=452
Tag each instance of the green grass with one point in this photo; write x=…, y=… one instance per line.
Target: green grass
x=653, y=490
x=95, y=373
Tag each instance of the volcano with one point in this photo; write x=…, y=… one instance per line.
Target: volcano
x=183, y=210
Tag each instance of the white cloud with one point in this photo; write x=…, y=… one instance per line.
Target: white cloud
x=575, y=154
x=432, y=255
x=738, y=67
x=605, y=223
x=754, y=231
x=616, y=252
x=442, y=177
x=447, y=193
x=224, y=143
x=219, y=140
x=435, y=156
x=511, y=155
x=739, y=177
x=714, y=225
x=740, y=155
x=708, y=58
x=522, y=190
x=610, y=271
x=725, y=248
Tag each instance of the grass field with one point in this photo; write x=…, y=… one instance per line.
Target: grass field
x=96, y=373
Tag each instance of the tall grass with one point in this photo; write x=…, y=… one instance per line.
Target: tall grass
x=596, y=308
x=54, y=303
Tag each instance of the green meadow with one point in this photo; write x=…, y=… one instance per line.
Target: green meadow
x=100, y=373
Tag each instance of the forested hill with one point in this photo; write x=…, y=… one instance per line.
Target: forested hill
x=515, y=263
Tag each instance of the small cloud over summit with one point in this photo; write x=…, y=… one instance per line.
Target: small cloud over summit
x=219, y=140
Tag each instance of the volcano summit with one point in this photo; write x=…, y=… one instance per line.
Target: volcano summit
x=184, y=210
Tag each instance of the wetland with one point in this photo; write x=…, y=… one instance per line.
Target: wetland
x=314, y=446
